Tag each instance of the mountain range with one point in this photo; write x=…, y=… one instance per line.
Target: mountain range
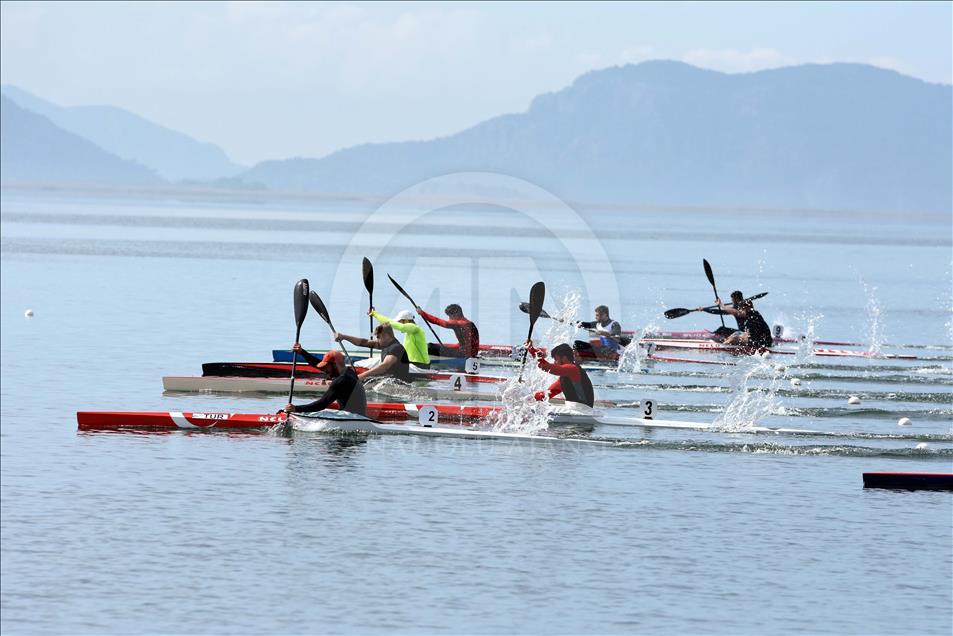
x=834, y=136
x=173, y=155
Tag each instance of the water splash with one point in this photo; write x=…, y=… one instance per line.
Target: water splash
x=874, y=319
x=753, y=400
x=521, y=413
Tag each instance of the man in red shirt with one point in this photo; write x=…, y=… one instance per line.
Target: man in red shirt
x=573, y=381
x=468, y=337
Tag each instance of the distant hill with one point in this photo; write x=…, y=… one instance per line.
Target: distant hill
x=842, y=136
x=175, y=156
x=33, y=149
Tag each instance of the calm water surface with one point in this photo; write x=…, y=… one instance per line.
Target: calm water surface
x=657, y=533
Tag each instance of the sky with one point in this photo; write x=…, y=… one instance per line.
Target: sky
x=274, y=80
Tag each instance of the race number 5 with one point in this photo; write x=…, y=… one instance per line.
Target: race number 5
x=472, y=365
x=427, y=416
x=648, y=409
x=456, y=381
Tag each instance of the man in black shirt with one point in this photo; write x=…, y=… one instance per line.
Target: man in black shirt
x=394, y=361
x=345, y=388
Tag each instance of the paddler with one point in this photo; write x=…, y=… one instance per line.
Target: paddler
x=468, y=336
x=752, y=331
x=608, y=333
x=345, y=388
x=394, y=361
x=573, y=381
x=415, y=340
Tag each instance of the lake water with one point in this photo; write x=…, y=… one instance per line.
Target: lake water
x=654, y=532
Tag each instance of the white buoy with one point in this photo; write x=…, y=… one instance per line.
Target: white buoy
x=765, y=354
x=853, y=400
x=904, y=421
x=795, y=381
x=28, y=313
x=922, y=446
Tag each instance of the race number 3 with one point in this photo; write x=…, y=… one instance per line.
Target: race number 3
x=472, y=365
x=456, y=381
x=648, y=409
x=427, y=416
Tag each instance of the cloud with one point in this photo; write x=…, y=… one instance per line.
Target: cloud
x=735, y=61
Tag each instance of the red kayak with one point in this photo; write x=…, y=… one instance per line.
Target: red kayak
x=156, y=421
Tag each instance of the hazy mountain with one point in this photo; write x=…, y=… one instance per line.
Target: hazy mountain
x=173, y=155
x=822, y=136
x=34, y=149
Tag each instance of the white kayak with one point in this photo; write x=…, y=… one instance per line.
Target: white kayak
x=575, y=417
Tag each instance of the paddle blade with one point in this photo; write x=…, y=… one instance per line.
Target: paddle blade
x=757, y=296
x=524, y=307
x=678, y=312
x=401, y=290
x=537, y=295
x=708, y=272
x=319, y=307
x=301, y=301
x=368, y=276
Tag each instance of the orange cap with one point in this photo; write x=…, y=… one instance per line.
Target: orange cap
x=331, y=356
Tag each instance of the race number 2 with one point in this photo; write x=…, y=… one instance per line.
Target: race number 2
x=648, y=409
x=427, y=416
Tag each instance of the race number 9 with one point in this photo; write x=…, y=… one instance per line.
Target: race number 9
x=648, y=409
x=456, y=381
x=427, y=416
x=472, y=365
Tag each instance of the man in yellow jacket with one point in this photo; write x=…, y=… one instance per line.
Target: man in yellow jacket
x=415, y=342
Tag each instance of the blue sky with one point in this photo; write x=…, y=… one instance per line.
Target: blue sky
x=268, y=80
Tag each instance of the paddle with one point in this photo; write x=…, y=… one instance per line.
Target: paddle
x=711, y=279
x=301, y=310
x=407, y=296
x=678, y=312
x=369, y=286
x=524, y=307
x=536, y=297
x=319, y=307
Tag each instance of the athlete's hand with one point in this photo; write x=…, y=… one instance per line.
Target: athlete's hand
x=338, y=337
x=289, y=409
x=296, y=347
x=370, y=311
x=419, y=310
x=539, y=396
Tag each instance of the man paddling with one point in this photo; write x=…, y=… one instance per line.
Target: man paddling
x=468, y=336
x=394, y=362
x=345, y=389
x=573, y=381
x=753, y=331
x=607, y=330
x=415, y=340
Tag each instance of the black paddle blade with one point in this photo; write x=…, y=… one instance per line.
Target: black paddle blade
x=368, y=276
x=401, y=290
x=524, y=307
x=757, y=296
x=319, y=307
x=537, y=295
x=708, y=272
x=301, y=301
x=678, y=312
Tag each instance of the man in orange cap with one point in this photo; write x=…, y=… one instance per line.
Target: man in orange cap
x=345, y=388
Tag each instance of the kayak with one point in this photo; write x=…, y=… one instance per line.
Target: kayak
x=387, y=411
x=705, y=345
x=283, y=370
x=486, y=352
x=577, y=416
x=909, y=481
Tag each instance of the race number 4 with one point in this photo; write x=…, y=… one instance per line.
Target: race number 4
x=456, y=381
x=427, y=416
x=648, y=409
